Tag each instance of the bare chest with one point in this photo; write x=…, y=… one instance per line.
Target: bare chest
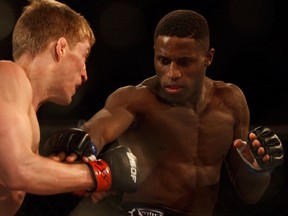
x=180, y=151
x=182, y=134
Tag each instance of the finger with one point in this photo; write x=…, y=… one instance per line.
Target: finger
x=96, y=197
x=256, y=144
x=238, y=143
x=61, y=156
x=72, y=157
x=261, y=151
x=266, y=158
x=54, y=157
x=57, y=156
x=18, y=196
x=85, y=159
x=252, y=136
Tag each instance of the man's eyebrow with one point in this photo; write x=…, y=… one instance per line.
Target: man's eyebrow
x=161, y=56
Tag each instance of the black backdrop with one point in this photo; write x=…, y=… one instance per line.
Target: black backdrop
x=250, y=39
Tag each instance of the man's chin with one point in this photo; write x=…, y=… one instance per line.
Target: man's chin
x=63, y=102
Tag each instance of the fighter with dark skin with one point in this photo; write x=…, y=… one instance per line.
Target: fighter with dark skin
x=183, y=126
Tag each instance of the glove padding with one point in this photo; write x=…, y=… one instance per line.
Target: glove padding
x=272, y=146
x=70, y=140
x=116, y=169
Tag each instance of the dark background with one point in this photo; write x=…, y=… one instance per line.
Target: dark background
x=250, y=38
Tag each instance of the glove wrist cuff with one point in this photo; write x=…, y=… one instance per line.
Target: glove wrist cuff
x=101, y=175
x=93, y=178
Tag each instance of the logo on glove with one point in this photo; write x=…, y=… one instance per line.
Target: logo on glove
x=133, y=169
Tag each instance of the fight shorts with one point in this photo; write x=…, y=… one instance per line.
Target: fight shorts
x=140, y=209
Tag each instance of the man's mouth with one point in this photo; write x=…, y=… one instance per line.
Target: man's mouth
x=173, y=89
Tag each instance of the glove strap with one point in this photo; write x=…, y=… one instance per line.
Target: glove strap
x=101, y=175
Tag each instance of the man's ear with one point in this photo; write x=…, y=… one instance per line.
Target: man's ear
x=209, y=57
x=60, y=47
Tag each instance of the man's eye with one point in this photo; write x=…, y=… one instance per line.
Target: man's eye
x=183, y=62
x=164, y=61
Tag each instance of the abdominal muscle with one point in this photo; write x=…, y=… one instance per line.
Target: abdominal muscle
x=184, y=187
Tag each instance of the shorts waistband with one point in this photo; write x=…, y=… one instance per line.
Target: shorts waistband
x=140, y=209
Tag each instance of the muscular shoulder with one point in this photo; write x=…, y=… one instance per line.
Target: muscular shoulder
x=230, y=91
x=132, y=97
x=232, y=97
x=10, y=71
x=14, y=83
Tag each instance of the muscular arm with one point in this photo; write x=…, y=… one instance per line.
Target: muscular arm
x=111, y=121
x=249, y=185
x=21, y=167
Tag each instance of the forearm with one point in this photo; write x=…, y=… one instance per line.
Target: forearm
x=251, y=185
x=39, y=175
x=106, y=126
x=259, y=155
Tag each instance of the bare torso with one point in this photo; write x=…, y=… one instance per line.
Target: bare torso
x=10, y=201
x=180, y=152
x=22, y=97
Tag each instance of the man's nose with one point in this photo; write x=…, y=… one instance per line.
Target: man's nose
x=84, y=75
x=174, y=71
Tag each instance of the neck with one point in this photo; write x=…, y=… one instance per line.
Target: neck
x=201, y=99
x=35, y=77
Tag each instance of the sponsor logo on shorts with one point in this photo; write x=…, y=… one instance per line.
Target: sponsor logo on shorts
x=145, y=212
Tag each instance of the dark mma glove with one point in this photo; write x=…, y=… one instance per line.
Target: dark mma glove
x=70, y=140
x=272, y=145
x=116, y=169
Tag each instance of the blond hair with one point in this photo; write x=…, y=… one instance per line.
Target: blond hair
x=43, y=21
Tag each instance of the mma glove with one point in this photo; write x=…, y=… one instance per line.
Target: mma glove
x=71, y=140
x=272, y=146
x=115, y=169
